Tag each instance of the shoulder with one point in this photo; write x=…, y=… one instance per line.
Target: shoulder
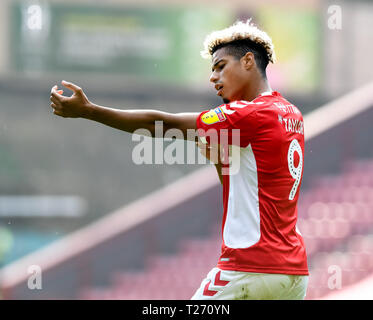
x=241, y=108
x=276, y=103
x=234, y=110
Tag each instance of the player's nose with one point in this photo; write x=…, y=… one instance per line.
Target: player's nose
x=214, y=78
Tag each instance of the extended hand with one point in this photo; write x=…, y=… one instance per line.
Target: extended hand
x=69, y=107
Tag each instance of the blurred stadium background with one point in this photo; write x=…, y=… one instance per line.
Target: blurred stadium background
x=101, y=227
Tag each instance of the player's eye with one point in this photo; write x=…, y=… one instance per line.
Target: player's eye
x=221, y=66
x=218, y=67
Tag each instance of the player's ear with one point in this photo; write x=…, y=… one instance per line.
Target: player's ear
x=248, y=60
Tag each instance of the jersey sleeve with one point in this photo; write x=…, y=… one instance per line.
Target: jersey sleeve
x=233, y=123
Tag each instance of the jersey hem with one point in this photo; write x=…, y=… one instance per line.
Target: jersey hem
x=264, y=270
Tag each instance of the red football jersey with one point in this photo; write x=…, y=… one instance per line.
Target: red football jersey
x=260, y=198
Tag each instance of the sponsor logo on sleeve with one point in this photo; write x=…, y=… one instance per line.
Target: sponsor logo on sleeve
x=214, y=116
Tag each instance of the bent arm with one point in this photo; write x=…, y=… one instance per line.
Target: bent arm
x=212, y=152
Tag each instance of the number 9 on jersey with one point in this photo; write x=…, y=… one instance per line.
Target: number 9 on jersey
x=296, y=172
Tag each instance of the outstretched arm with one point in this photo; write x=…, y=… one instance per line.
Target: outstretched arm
x=78, y=106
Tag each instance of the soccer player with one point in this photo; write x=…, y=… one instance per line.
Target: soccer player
x=263, y=254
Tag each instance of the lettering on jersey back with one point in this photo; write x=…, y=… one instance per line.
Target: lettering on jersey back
x=287, y=108
x=293, y=125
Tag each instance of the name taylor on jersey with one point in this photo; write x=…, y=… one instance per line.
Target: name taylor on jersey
x=290, y=124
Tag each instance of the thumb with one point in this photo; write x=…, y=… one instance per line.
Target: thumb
x=73, y=87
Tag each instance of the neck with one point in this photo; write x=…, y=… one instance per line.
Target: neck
x=256, y=88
